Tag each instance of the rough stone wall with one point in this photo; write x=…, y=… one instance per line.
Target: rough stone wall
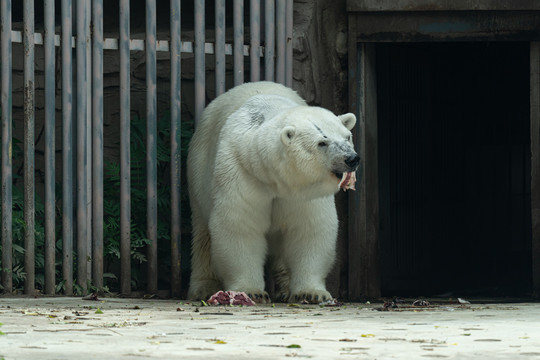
x=320, y=52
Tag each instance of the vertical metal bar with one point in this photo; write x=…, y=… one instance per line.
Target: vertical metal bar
x=289, y=44
x=255, y=39
x=151, y=145
x=67, y=148
x=238, y=51
x=29, y=163
x=97, y=144
x=176, y=160
x=89, y=169
x=125, y=157
x=50, y=113
x=82, y=196
x=281, y=38
x=200, y=97
x=220, y=47
x=269, y=35
x=7, y=176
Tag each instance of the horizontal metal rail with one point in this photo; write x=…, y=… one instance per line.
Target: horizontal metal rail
x=137, y=44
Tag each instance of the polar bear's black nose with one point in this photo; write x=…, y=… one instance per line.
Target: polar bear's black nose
x=353, y=161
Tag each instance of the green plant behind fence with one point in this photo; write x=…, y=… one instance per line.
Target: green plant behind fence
x=111, y=209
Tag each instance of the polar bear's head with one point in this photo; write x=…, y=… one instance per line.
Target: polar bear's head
x=320, y=148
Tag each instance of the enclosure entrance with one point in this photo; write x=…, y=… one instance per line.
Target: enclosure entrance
x=454, y=154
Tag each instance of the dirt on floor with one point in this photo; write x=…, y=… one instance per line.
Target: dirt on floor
x=113, y=328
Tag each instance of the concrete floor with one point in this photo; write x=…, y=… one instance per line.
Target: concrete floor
x=72, y=328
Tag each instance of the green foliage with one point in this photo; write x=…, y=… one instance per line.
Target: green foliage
x=19, y=228
x=18, y=233
x=111, y=204
x=111, y=209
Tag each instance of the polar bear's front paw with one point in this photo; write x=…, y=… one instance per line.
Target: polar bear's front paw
x=311, y=296
x=259, y=296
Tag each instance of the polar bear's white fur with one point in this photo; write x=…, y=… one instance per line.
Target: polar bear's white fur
x=262, y=171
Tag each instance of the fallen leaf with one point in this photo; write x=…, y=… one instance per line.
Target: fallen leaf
x=98, y=311
x=220, y=342
x=294, y=346
x=367, y=335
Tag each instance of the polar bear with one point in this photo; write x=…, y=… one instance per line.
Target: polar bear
x=263, y=168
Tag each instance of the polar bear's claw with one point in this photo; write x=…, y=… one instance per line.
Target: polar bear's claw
x=311, y=296
x=283, y=297
x=260, y=297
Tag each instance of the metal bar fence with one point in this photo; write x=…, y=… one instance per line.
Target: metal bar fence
x=255, y=37
x=238, y=53
x=125, y=155
x=83, y=122
x=5, y=104
x=220, y=47
x=97, y=143
x=281, y=36
x=29, y=127
x=67, y=148
x=151, y=145
x=176, y=159
x=288, y=43
x=49, y=148
x=200, y=67
x=82, y=166
x=270, y=37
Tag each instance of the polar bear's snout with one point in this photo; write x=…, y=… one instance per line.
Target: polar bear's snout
x=353, y=161
x=344, y=158
x=345, y=169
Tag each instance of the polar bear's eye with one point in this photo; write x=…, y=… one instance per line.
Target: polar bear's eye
x=323, y=144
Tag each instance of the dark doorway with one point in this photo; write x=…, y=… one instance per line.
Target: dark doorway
x=454, y=168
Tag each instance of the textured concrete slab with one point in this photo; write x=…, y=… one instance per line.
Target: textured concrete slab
x=68, y=328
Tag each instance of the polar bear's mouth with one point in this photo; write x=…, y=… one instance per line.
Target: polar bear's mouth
x=348, y=179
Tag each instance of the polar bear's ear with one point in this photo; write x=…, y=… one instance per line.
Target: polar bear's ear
x=348, y=120
x=287, y=133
